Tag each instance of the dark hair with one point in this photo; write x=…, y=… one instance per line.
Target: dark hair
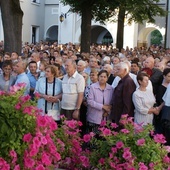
x=166, y=71
x=141, y=75
x=134, y=62
x=103, y=71
x=32, y=62
x=7, y=63
x=57, y=65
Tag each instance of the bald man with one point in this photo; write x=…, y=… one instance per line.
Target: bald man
x=156, y=77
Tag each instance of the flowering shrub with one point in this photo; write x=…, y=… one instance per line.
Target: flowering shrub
x=32, y=141
x=29, y=141
x=134, y=147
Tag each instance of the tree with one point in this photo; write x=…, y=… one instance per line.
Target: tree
x=100, y=10
x=156, y=37
x=12, y=25
x=138, y=11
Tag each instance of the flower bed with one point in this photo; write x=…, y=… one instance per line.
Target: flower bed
x=29, y=141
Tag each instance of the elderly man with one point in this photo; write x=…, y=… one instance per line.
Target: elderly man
x=81, y=65
x=122, y=96
x=21, y=75
x=73, y=86
x=156, y=77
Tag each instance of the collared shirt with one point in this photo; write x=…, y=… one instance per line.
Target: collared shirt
x=71, y=86
x=23, y=78
x=32, y=80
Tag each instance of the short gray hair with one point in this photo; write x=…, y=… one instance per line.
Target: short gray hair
x=124, y=65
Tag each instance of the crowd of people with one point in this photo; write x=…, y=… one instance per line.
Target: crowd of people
x=101, y=85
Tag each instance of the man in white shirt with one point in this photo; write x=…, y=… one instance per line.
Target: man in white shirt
x=73, y=86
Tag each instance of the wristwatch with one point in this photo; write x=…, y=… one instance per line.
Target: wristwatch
x=77, y=108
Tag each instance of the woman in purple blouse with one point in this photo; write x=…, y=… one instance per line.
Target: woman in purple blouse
x=98, y=102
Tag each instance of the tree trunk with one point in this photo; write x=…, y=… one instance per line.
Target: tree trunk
x=12, y=25
x=86, y=30
x=120, y=29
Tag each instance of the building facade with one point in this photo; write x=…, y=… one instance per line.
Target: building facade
x=42, y=21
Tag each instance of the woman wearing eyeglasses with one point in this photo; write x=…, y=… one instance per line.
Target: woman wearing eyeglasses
x=6, y=79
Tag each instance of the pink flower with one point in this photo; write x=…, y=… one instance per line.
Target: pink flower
x=43, y=140
x=18, y=106
x=40, y=167
x=103, y=123
x=14, y=88
x=159, y=138
x=33, y=151
x=57, y=156
x=45, y=159
x=114, y=150
x=28, y=162
x=142, y=166
x=167, y=148
x=71, y=124
x=114, y=125
x=124, y=131
x=37, y=95
x=86, y=138
x=25, y=98
x=119, y=144
x=101, y=161
x=166, y=159
x=106, y=132
x=27, y=137
x=127, y=155
x=13, y=154
x=28, y=110
x=85, y=161
x=17, y=167
x=140, y=142
x=151, y=165
x=42, y=121
x=53, y=125
x=36, y=142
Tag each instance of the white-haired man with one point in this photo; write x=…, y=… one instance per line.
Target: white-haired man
x=81, y=65
x=122, y=96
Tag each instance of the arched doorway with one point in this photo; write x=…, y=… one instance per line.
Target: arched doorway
x=100, y=35
x=52, y=34
x=145, y=36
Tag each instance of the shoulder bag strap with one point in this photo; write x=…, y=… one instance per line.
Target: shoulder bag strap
x=46, y=86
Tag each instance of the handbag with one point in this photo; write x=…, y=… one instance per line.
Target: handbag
x=54, y=113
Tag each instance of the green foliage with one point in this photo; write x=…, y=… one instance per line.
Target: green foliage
x=156, y=37
x=14, y=123
x=106, y=147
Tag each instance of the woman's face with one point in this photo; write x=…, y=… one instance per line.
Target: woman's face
x=144, y=82
x=48, y=73
x=103, y=78
x=167, y=78
x=93, y=77
x=7, y=70
x=42, y=67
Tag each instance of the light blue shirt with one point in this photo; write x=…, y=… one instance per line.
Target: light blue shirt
x=23, y=78
x=40, y=88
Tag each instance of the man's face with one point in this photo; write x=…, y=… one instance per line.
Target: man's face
x=80, y=67
x=33, y=57
x=69, y=67
x=14, y=56
x=7, y=57
x=19, y=68
x=33, y=67
x=134, y=68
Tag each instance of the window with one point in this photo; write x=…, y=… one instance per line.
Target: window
x=35, y=34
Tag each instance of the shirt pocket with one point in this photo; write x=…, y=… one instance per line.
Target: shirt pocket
x=70, y=88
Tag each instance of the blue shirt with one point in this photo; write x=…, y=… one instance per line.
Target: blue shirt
x=32, y=80
x=23, y=78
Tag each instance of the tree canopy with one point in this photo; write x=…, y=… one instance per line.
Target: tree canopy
x=101, y=10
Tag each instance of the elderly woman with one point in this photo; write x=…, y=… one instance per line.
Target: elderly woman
x=6, y=79
x=49, y=88
x=144, y=101
x=99, y=102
